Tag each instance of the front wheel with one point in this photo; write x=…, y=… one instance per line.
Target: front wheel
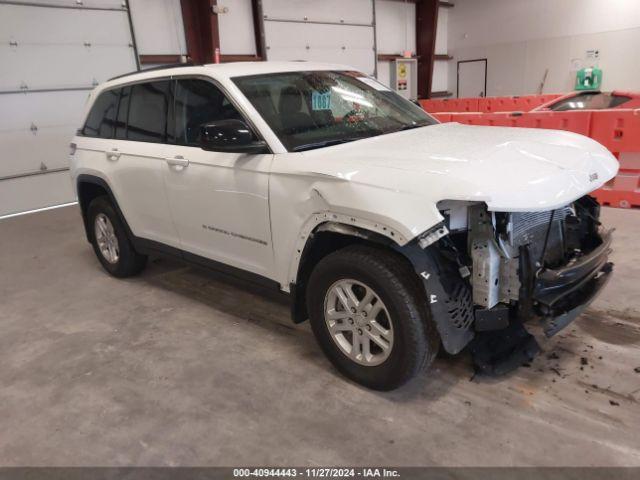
x=369, y=316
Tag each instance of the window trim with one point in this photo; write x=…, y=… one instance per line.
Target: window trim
x=171, y=113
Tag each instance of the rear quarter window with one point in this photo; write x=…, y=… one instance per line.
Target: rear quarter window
x=102, y=116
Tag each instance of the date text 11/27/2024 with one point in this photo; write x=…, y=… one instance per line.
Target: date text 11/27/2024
x=316, y=472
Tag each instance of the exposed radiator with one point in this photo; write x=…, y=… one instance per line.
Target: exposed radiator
x=531, y=227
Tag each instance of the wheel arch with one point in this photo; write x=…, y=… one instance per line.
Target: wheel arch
x=89, y=187
x=445, y=292
x=324, y=234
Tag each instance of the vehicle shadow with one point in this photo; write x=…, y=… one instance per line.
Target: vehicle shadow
x=240, y=301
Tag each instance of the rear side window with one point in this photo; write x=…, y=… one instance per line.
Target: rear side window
x=148, y=111
x=198, y=102
x=101, y=120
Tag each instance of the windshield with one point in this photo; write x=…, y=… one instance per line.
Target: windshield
x=309, y=109
x=589, y=101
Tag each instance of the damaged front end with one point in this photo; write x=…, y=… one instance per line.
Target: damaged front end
x=486, y=273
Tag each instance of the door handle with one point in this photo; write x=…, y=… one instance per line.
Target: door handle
x=177, y=161
x=113, y=154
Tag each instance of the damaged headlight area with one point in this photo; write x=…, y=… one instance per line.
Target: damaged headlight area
x=510, y=267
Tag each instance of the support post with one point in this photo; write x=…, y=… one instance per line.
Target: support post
x=258, y=27
x=201, y=29
x=426, y=25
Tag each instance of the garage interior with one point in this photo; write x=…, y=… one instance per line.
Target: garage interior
x=180, y=367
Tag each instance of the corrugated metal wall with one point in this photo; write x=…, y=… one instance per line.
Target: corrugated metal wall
x=52, y=54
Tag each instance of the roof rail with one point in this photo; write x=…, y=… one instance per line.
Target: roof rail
x=159, y=67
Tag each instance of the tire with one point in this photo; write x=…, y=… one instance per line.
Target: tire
x=412, y=340
x=126, y=262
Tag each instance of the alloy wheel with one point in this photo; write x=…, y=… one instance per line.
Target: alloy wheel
x=106, y=238
x=358, y=322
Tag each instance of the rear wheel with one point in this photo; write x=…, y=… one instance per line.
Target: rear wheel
x=370, y=318
x=110, y=241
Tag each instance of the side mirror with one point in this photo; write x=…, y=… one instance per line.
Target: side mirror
x=233, y=136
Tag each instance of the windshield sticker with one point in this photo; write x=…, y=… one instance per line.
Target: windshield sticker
x=374, y=84
x=321, y=100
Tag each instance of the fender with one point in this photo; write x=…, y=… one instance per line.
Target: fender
x=306, y=191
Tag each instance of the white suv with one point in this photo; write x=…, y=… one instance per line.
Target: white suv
x=392, y=233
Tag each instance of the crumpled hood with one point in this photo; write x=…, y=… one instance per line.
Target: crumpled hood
x=511, y=169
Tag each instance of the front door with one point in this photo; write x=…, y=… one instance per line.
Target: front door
x=219, y=201
x=472, y=78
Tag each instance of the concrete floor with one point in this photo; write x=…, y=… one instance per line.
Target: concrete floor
x=177, y=368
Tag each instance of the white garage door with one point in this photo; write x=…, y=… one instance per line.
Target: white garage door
x=334, y=31
x=52, y=53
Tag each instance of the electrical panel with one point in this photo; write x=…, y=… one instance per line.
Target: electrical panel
x=404, y=77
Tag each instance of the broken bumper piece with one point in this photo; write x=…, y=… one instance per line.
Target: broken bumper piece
x=563, y=294
x=499, y=352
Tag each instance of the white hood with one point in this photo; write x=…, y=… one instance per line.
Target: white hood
x=511, y=169
x=392, y=183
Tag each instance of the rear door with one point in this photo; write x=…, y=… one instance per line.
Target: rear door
x=219, y=201
x=135, y=159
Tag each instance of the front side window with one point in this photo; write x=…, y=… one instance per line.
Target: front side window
x=314, y=109
x=589, y=101
x=197, y=103
x=101, y=119
x=148, y=111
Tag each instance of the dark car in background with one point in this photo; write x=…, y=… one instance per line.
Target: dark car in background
x=592, y=100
